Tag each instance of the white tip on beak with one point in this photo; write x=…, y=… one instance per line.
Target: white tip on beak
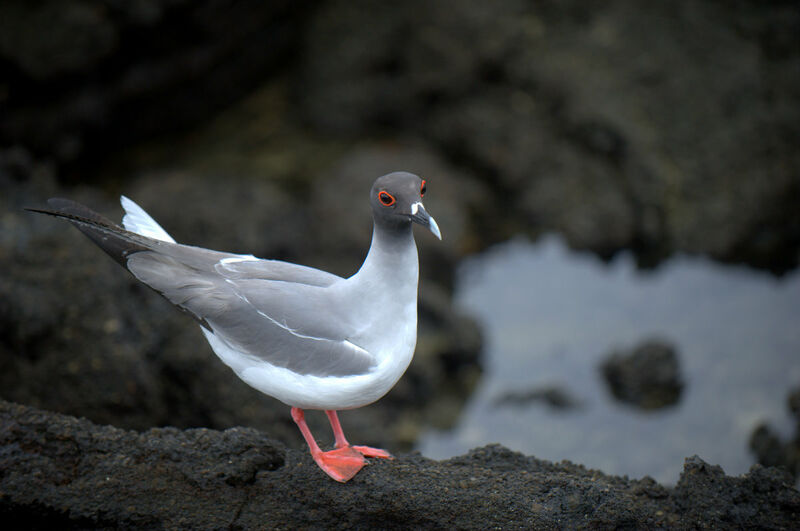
x=421, y=216
x=434, y=228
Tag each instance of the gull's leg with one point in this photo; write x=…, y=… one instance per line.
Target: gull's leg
x=341, y=442
x=338, y=434
x=340, y=464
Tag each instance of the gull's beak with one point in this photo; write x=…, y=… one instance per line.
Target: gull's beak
x=421, y=216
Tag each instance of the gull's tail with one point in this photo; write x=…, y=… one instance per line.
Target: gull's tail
x=110, y=237
x=138, y=221
x=177, y=272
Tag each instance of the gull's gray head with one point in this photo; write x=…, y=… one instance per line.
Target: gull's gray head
x=396, y=200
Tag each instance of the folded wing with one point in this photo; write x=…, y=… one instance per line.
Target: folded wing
x=270, y=311
x=287, y=324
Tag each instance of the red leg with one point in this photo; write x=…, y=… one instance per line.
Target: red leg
x=338, y=433
x=341, y=442
x=340, y=464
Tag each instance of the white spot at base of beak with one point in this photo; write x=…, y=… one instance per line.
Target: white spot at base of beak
x=415, y=208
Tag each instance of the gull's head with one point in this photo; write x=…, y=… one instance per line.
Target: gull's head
x=396, y=199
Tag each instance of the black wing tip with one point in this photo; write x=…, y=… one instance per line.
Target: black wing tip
x=110, y=237
x=37, y=210
x=73, y=211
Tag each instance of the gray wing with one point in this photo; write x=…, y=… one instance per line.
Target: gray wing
x=272, y=311
x=288, y=324
x=248, y=268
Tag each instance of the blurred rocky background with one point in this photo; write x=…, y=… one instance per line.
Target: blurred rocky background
x=258, y=127
x=771, y=450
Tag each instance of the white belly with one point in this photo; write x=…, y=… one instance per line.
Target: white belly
x=316, y=392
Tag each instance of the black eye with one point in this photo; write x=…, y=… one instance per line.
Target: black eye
x=422, y=188
x=386, y=198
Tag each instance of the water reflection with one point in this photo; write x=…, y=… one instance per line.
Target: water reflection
x=552, y=315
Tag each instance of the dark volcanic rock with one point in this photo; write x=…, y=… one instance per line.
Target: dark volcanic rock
x=648, y=376
x=619, y=124
x=771, y=450
x=59, y=472
x=82, y=78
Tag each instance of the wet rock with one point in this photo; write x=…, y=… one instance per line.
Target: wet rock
x=648, y=376
x=771, y=450
x=61, y=472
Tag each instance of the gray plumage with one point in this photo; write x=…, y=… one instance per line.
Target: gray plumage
x=286, y=316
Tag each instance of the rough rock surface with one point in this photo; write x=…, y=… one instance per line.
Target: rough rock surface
x=59, y=472
x=769, y=447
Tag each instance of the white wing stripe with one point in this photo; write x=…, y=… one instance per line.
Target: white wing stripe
x=294, y=332
x=236, y=259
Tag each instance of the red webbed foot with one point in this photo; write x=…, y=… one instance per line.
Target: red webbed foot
x=368, y=451
x=340, y=464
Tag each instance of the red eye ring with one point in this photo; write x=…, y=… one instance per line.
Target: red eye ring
x=386, y=198
x=422, y=188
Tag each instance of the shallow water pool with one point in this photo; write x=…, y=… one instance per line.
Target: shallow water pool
x=551, y=315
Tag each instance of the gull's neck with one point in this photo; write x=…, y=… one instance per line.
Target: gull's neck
x=382, y=299
x=391, y=262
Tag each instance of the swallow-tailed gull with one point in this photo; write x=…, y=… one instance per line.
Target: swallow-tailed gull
x=309, y=338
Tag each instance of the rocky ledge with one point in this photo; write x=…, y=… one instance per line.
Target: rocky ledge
x=60, y=472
